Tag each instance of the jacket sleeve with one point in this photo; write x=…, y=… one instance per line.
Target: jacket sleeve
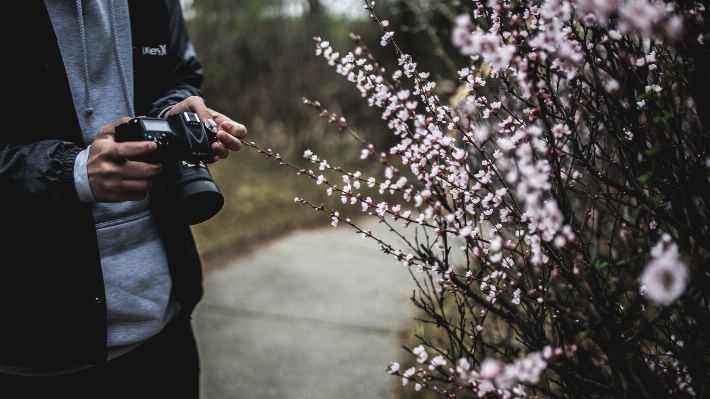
x=44, y=169
x=185, y=76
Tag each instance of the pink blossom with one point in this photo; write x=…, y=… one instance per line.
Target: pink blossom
x=386, y=38
x=420, y=352
x=665, y=279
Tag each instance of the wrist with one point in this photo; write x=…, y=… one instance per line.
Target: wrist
x=164, y=112
x=81, y=177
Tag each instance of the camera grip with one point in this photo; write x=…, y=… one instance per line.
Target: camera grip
x=131, y=131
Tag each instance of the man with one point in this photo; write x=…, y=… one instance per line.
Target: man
x=97, y=283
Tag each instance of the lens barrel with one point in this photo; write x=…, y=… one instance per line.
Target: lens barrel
x=192, y=194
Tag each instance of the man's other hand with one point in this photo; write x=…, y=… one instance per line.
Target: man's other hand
x=229, y=132
x=112, y=176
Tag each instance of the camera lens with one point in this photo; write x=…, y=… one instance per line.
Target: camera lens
x=193, y=195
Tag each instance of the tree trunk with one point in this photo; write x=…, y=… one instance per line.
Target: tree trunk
x=315, y=8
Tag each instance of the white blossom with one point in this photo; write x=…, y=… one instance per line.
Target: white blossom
x=665, y=279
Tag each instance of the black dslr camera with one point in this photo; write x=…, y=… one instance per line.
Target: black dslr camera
x=183, y=148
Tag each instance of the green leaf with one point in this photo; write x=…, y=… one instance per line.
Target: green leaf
x=600, y=265
x=635, y=214
x=651, y=152
x=645, y=177
x=659, y=119
x=659, y=202
x=674, y=66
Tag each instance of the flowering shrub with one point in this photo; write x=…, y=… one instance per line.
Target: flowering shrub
x=564, y=193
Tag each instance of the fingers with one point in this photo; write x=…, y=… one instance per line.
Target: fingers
x=228, y=141
x=116, y=173
x=225, y=124
x=140, y=170
x=229, y=132
x=113, y=177
x=117, y=182
x=130, y=149
x=225, y=143
x=137, y=186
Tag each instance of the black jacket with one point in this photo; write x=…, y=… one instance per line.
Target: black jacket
x=52, y=307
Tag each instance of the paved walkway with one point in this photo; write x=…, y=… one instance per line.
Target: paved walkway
x=314, y=315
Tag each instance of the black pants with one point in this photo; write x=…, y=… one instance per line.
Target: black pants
x=165, y=366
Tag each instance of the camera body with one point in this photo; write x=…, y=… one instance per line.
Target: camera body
x=180, y=137
x=184, y=145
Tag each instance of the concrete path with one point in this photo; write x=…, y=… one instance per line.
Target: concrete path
x=314, y=315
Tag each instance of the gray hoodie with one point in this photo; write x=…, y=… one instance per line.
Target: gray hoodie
x=94, y=38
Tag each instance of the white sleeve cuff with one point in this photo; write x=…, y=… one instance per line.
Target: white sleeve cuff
x=81, y=177
x=165, y=111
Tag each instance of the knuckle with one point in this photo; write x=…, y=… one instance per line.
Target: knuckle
x=112, y=188
x=106, y=171
x=195, y=101
x=152, y=170
x=149, y=171
x=120, y=151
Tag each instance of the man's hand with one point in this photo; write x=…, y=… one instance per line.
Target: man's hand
x=229, y=132
x=112, y=177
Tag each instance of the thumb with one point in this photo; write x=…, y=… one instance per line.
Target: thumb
x=110, y=129
x=197, y=105
x=206, y=115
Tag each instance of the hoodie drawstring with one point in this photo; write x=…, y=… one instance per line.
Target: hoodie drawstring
x=88, y=109
x=80, y=14
x=121, y=71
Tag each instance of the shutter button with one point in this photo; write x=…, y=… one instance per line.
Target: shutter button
x=97, y=300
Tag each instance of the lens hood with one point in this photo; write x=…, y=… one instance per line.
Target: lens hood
x=193, y=197
x=197, y=202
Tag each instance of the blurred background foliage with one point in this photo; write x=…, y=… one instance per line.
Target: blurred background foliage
x=259, y=62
